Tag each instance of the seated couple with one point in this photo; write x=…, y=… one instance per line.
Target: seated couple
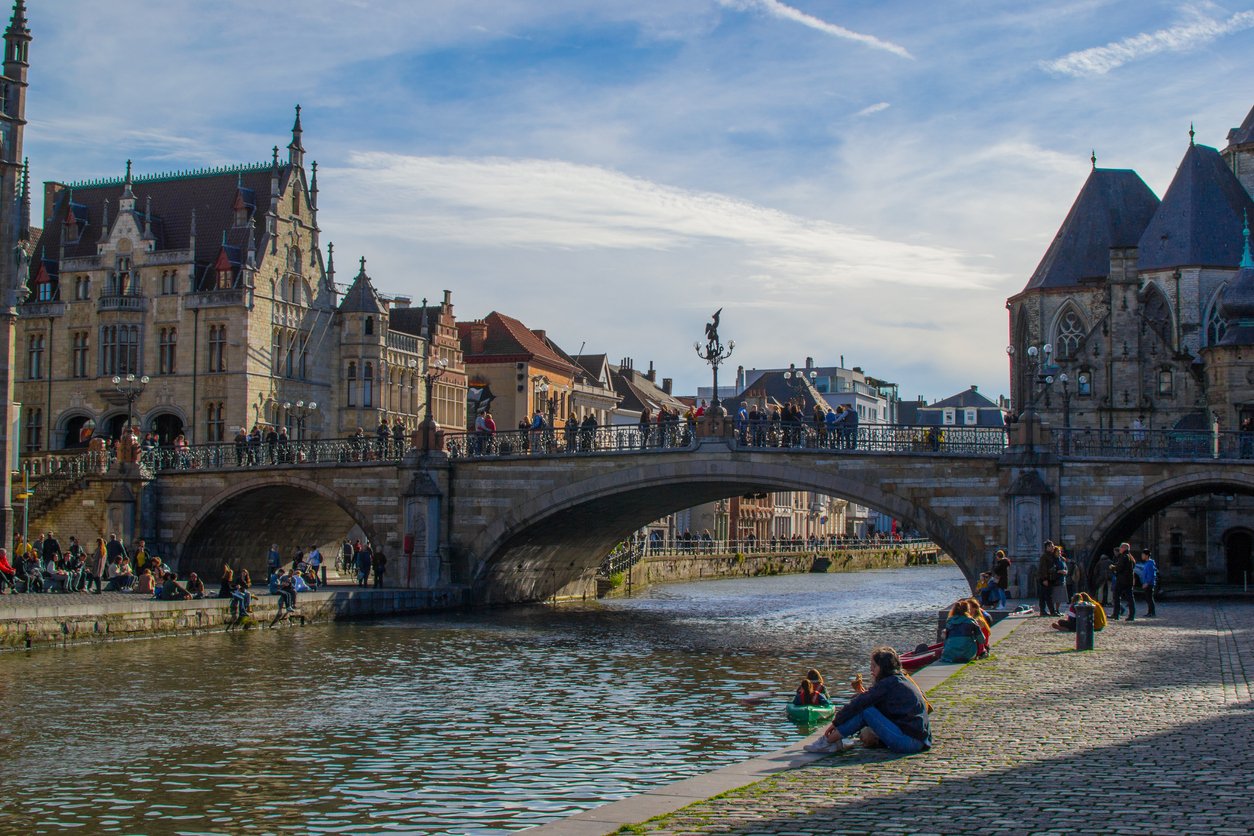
x=892, y=712
x=1067, y=624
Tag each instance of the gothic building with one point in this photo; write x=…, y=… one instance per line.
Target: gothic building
x=1136, y=299
x=211, y=285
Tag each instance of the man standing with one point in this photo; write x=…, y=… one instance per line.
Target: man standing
x=1046, y=570
x=1123, y=569
x=315, y=561
x=1148, y=570
x=114, y=550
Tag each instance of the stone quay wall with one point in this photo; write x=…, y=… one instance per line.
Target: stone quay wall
x=672, y=568
x=44, y=620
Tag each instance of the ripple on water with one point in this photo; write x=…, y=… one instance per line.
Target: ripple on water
x=477, y=723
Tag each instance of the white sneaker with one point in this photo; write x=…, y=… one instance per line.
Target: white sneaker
x=819, y=745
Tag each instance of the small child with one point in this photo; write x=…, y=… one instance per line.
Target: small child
x=807, y=694
x=816, y=679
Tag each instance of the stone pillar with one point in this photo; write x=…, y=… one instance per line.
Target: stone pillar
x=120, y=515
x=422, y=564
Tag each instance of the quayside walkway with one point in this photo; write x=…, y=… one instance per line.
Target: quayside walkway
x=1153, y=732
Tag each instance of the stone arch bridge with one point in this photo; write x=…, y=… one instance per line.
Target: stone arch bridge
x=522, y=525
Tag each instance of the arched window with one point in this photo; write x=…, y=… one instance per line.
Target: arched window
x=369, y=326
x=1156, y=313
x=215, y=425
x=35, y=357
x=167, y=350
x=1070, y=332
x=1216, y=325
x=351, y=399
x=217, y=348
x=367, y=386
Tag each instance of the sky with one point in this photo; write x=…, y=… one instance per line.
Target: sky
x=866, y=180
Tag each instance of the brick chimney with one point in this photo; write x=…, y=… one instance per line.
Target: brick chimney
x=478, y=336
x=667, y=383
x=651, y=374
x=539, y=332
x=52, y=191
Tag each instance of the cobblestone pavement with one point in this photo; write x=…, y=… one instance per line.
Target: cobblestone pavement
x=1153, y=732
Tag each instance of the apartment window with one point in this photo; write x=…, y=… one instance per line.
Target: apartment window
x=1165, y=382
x=1084, y=383
x=367, y=386
x=35, y=357
x=949, y=416
x=217, y=348
x=82, y=288
x=78, y=354
x=970, y=416
x=45, y=289
x=169, y=282
x=215, y=424
x=34, y=430
x=351, y=378
x=168, y=350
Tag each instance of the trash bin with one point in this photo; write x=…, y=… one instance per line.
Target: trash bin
x=1083, y=626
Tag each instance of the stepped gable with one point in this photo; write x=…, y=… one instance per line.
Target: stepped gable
x=1198, y=223
x=1112, y=210
x=1243, y=135
x=211, y=193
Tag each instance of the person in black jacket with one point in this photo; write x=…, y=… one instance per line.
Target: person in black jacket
x=1123, y=568
x=893, y=709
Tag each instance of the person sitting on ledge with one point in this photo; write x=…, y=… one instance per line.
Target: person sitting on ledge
x=962, y=635
x=119, y=575
x=808, y=694
x=145, y=584
x=892, y=712
x=195, y=586
x=172, y=590
x=1067, y=625
x=8, y=575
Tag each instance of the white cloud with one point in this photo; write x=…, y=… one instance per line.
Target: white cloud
x=778, y=9
x=875, y=108
x=545, y=204
x=1191, y=34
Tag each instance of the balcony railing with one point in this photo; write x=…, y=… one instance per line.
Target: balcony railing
x=31, y=310
x=122, y=302
x=217, y=298
x=403, y=342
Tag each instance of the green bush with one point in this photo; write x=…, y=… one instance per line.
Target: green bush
x=617, y=579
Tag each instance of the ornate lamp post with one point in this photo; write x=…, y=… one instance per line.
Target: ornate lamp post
x=132, y=389
x=1043, y=372
x=714, y=353
x=796, y=378
x=303, y=411
x=434, y=372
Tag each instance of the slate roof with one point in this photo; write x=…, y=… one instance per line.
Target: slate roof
x=410, y=320
x=508, y=338
x=1112, y=210
x=965, y=400
x=1198, y=223
x=211, y=193
x=637, y=392
x=361, y=296
x=773, y=386
x=1244, y=134
x=989, y=414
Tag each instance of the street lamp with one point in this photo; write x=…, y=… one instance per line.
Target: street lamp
x=714, y=353
x=1043, y=372
x=434, y=372
x=303, y=411
x=131, y=391
x=796, y=378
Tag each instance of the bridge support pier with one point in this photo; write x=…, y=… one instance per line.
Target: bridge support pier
x=426, y=564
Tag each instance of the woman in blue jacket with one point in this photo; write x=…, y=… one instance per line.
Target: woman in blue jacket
x=893, y=709
x=962, y=635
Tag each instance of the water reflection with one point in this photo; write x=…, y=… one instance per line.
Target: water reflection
x=467, y=723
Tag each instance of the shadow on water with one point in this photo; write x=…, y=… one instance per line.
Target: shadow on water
x=464, y=723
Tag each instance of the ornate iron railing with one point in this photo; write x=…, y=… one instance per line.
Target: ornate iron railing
x=1153, y=444
x=872, y=438
x=232, y=454
x=563, y=442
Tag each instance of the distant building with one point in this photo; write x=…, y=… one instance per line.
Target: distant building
x=968, y=408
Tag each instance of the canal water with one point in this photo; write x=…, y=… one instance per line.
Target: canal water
x=474, y=723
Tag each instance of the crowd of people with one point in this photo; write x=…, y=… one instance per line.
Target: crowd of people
x=44, y=565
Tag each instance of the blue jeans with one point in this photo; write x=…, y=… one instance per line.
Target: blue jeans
x=885, y=729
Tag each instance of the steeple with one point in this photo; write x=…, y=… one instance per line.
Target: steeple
x=1237, y=307
x=126, y=203
x=16, y=39
x=331, y=264
x=296, y=151
x=1191, y=133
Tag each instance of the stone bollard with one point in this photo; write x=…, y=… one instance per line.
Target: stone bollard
x=1083, y=626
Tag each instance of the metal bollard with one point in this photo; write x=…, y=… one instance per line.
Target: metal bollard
x=1083, y=626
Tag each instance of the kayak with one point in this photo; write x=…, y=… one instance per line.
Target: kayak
x=921, y=656
x=811, y=715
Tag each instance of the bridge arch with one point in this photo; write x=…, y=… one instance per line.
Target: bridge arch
x=1119, y=523
x=539, y=545
x=237, y=524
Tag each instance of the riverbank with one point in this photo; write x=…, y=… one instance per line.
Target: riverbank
x=684, y=567
x=53, y=619
x=1151, y=732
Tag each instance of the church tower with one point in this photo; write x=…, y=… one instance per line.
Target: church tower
x=14, y=233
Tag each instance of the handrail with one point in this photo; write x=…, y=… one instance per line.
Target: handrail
x=678, y=546
x=235, y=454
x=871, y=438
x=1153, y=444
x=616, y=438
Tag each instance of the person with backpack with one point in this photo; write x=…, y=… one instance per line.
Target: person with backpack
x=1147, y=571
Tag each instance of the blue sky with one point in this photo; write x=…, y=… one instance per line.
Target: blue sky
x=866, y=179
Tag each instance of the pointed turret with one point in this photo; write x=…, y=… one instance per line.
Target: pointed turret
x=313, y=187
x=126, y=202
x=361, y=296
x=23, y=233
x=295, y=150
x=16, y=40
x=1237, y=307
x=1198, y=223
